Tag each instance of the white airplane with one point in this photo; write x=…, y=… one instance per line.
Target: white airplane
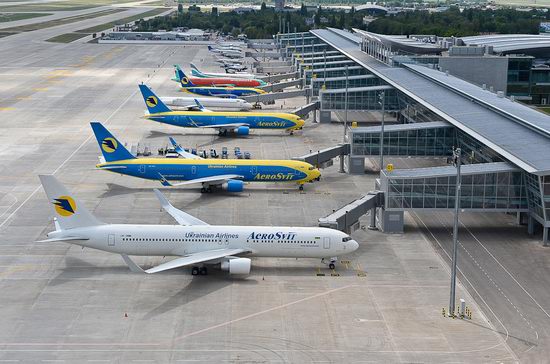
x=234, y=68
x=197, y=73
x=194, y=242
x=212, y=102
x=227, y=53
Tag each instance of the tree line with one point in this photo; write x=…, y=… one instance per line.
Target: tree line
x=266, y=22
x=453, y=22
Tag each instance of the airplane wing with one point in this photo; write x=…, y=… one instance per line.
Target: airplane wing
x=196, y=258
x=213, y=180
x=113, y=167
x=224, y=96
x=181, y=217
x=224, y=126
x=181, y=151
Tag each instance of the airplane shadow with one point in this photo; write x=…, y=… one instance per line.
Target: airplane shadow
x=198, y=287
x=287, y=271
x=118, y=190
x=77, y=268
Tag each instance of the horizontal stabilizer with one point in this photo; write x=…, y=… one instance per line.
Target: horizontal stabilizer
x=196, y=258
x=67, y=238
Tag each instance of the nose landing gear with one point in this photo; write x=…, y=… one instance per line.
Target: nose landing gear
x=331, y=263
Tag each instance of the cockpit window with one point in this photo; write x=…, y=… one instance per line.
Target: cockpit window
x=347, y=238
x=311, y=168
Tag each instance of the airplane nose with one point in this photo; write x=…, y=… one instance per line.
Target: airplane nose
x=316, y=173
x=353, y=245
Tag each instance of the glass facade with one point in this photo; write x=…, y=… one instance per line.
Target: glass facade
x=340, y=82
x=537, y=205
x=540, y=86
x=357, y=100
x=415, y=142
x=496, y=191
x=336, y=72
x=474, y=151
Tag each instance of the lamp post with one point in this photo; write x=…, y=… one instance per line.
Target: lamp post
x=382, y=102
x=457, y=163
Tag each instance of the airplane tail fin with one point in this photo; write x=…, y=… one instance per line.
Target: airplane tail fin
x=69, y=212
x=184, y=80
x=153, y=102
x=112, y=149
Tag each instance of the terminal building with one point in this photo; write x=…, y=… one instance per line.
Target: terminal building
x=505, y=144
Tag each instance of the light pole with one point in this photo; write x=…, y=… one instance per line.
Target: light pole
x=457, y=163
x=346, y=106
x=382, y=102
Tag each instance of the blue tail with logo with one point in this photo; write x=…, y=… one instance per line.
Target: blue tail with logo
x=184, y=80
x=153, y=102
x=112, y=149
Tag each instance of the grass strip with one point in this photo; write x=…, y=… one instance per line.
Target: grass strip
x=129, y=19
x=68, y=5
x=67, y=37
x=62, y=21
x=6, y=17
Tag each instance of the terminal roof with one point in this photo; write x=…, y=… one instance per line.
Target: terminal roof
x=517, y=132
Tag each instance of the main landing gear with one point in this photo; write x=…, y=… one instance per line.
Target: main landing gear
x=301, y=187
x=206, y=189
x=195, y=271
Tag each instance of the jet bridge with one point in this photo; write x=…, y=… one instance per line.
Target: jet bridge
x=270, y=97
x=274, y=87
x=280, y=77
x=323, y=158
x=303, y=111
x=258, y=55
x=346, y=218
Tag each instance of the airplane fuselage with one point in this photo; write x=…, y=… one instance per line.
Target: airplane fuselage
x=216, y=91
x=238, y=82
x=177, y=240
x=197, y=73
x=254, y=120
x=190, y=169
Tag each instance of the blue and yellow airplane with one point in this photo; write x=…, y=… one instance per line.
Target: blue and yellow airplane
x=190, y=87
x=225, y=174
x=224, y=122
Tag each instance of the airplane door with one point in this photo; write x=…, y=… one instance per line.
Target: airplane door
x=111, y=240
x=193, y=170
x=142, y=168
x=326, y=243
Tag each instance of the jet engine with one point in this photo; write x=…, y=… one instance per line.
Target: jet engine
x=233, y=185
x=242, y=130
x=236, y=265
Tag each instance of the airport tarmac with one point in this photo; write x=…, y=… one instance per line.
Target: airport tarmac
x=62, y=303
